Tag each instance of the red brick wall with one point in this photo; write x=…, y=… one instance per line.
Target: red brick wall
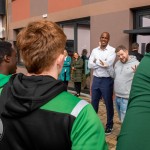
x=59, y=5
x=20, y=10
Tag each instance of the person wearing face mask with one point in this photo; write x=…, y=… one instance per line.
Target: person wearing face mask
x=124, y=68
x=101, y=61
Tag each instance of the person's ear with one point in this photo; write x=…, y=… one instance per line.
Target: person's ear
x=60, y=62
x=127, y=52
x=7, y=58
x=60, y=59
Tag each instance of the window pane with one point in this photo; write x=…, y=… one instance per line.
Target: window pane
x=142, y=40
x=146, y=21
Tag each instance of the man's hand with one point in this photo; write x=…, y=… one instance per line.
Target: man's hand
x=99, y=44
x=134, y=68
x=73, y=68
x=94, y=61
x=103, y=63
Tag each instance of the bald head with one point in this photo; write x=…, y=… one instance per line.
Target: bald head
x=105, y=33
x=104, y=39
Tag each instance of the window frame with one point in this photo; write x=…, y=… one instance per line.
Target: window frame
x=138, y=14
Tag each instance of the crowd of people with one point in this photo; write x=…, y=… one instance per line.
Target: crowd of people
x=74, y=70
x=37, y=112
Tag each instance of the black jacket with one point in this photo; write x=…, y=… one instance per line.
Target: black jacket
x=137, y=55
x=24, y=125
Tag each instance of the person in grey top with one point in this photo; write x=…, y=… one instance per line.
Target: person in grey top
x=124, y=69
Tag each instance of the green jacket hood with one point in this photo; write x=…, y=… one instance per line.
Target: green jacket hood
x=4, y=79
x=23, y=94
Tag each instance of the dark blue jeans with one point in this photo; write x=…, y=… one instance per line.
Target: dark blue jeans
x=103, y=87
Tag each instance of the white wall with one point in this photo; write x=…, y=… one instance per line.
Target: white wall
x=69, y=31
x=83, y=39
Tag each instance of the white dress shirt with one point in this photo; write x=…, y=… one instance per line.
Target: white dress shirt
x=107, y=56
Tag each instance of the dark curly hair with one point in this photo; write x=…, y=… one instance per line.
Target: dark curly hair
x=39, y=44
x=148, y=48
x=5, y=49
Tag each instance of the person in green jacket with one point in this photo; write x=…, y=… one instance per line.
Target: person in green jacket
x=8, y=62
x=65, y=74
x=77, y=72
x=135, y=130
x=38, y=112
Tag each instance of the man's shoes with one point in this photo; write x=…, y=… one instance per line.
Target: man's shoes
x=77, y=95
x=86, y=87
x=108, y=130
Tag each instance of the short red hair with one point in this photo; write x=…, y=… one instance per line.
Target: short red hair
x=39, y=44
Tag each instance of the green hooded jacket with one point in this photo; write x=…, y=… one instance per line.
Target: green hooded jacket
x=3, y=80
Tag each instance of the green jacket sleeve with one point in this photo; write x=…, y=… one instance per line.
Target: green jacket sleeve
x=88, y=132
x=135, y=130
x=79, y=64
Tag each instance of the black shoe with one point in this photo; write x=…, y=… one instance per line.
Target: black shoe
x=77, y=95
x=108, y=130
x=86, y=87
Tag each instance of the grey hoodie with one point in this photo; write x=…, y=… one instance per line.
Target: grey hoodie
x=123, y=77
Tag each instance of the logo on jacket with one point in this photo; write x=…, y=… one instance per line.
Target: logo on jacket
x=1, y=129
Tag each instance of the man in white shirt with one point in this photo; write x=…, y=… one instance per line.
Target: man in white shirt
x=101, y=61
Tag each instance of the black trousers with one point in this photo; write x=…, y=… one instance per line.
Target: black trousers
x=66, y=84
x=103, y=87
x=65, y=81
x=77, y=86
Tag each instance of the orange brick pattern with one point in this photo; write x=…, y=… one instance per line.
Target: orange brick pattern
x=59, y=5
x=20, y=10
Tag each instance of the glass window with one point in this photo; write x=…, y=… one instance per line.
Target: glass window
x=142, y=18
x=145, y=21
x=142, y=40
